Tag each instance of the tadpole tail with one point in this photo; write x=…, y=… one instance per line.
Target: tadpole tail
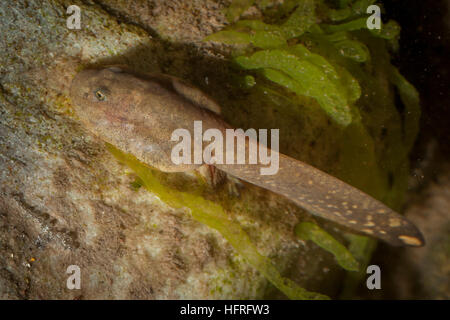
x=330, y=198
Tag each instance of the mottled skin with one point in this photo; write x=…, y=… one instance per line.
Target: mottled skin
x=138, y=113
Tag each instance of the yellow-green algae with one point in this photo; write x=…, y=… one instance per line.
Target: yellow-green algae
x=214, y=216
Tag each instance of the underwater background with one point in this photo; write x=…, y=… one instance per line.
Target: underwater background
x=370, y=107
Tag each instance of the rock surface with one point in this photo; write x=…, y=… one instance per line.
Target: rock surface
x=64, y=200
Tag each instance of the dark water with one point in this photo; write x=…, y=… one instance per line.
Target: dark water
x=424, y=59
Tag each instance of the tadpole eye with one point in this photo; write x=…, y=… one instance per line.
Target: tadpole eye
x=100, y=95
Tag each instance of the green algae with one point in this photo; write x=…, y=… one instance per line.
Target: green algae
x=214, y=216
x=300, y=20
x=277, y=55
x=238, y=7
x=332, y=43
x=410, y=99
x=258, y=38
x=302, y=77
x=361, y=248
x=311, y=231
